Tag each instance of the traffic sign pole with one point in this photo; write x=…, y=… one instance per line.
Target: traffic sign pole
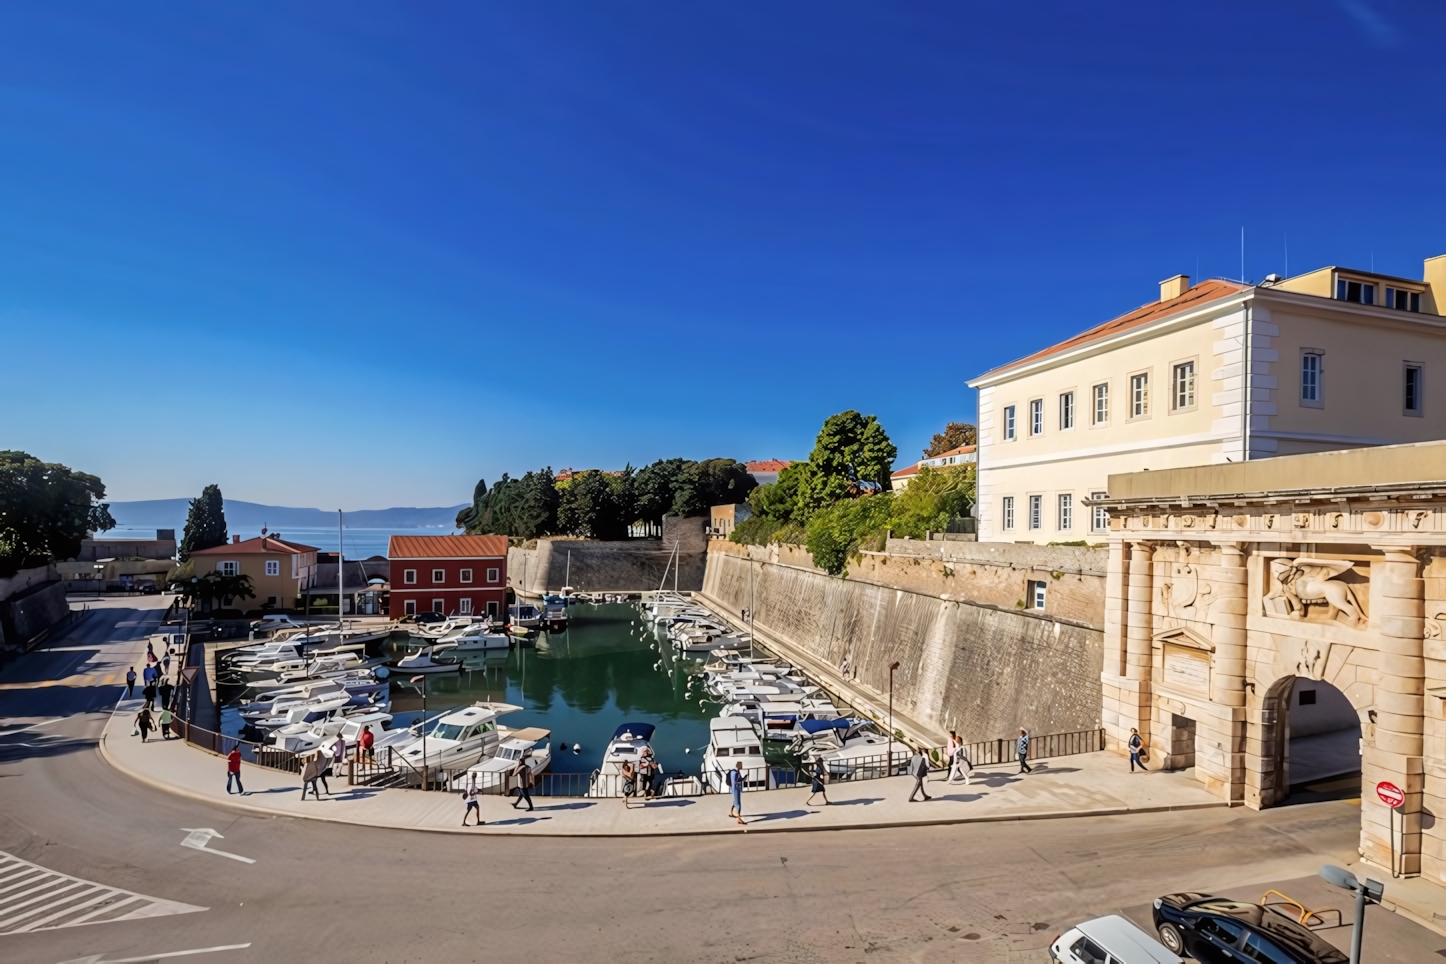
x=1393, y=797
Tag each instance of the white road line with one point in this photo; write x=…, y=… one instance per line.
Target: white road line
x=38, y=899
x=32, y=726
x=197, y=839
x=96, y=959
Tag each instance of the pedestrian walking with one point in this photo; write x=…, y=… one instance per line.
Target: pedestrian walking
x=735, y=787
x=150, y=694
x=338, y=755
x=959, y=763
x=164, y=691
x=130, y=682
x=630, y=782
x=1137, y=751
x=166, y=663
x=150, y=651
x=647, y=766
x=471, y=796
x=365, y=741
x=323, y=759
x=310, y=771
x=919, y=770
x=233, y=770
x=144, y=723
x=820, y=780
x=1021, y=747
x=525, y=779
x=165, y=723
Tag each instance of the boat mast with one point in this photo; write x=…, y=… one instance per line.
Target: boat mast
x=339, y=549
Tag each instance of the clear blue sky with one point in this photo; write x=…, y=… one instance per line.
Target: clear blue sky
x=359, y=254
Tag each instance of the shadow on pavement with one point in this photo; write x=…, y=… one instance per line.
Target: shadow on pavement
x=579, y=805
x=515, y=821
x=783, y=815
x=860, y=802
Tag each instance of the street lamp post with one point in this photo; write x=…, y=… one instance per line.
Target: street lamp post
x=423, y=681
x=889, y=766
x=1370, y=891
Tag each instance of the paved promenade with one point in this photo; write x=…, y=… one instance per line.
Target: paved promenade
x=1091, y=784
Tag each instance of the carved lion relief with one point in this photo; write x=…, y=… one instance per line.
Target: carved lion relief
x=1306, y=587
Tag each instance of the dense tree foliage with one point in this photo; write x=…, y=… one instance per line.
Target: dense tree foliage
x=205, y=523
x=46, y=509
x=852, y=456
x=702, y=485
x=955, y=434
x=525, y=507
x=214, y=588
x=597, y=505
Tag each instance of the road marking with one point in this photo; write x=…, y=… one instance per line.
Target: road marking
x=33, y=898
x=197, y=839
x=96, y=958
x=32, y=726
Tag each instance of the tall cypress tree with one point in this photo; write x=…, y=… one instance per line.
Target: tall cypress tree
x=205, y=523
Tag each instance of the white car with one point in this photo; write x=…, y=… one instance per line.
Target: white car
x=1109, y=940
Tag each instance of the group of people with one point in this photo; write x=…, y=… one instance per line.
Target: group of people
x=644, y=778
x=157, y=691
x=521, y=777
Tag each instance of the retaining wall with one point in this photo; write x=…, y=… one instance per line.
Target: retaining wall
x=979, y=665
x=602, y=566
x=31, y=602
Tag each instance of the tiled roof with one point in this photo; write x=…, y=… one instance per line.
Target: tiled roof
x=259, y=544
x=767, y=465
x=1199, y=295
x=447, y=547
x=961, y=450
x=906, y=472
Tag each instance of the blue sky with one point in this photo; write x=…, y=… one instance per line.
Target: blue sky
x=358, y=255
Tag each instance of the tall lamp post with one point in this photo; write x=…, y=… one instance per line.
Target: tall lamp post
x=889, y=766
x=1369, y=891
x=423, y=681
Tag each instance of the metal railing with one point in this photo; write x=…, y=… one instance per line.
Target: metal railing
x=260, y=754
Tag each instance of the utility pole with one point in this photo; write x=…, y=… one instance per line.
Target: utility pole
x=889, y=766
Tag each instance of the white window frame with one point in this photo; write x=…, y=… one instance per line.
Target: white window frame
x=1099, y=404
x=464, y=607
x=1010, y=428
x=1099, y=515
x=273, y=567
x=439, y=576
x=1036, y=513
x=409, y=608
x=1006, y=513
x=465, y=576
x=1183, y=385
x=1406, y=390
x=1066, y=411
x=1064, y=511
x=439, y=606
x=1317, y=398
x=229, y=567
x=1139, y=400
x=1035, y=594
x=494, y=575
x=1036, y=417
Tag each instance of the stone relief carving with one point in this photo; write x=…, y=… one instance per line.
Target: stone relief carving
x=1416, y=517
x=1436, y=614
x=1307, y=582
x=1312, y=658
x=1373, y=520
x=1182, y=594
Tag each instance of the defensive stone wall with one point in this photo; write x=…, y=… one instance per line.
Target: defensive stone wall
x=971, y=656
x=31, y=601
x=633, y=566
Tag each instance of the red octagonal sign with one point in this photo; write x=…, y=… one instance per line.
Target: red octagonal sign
x=1390, y=794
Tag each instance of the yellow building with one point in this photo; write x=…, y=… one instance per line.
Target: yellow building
x=279, y=570
x=1211, y=373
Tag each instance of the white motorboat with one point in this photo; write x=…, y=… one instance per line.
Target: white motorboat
x=524, y=616
x=782, y=720
x=627, y=745
x=848, y=750
x=298, y=711
x=421, y=662
x=447, y=627
x=473, y=638
x=456, y=741
x=301, y=737
x=733, y=740
x=518, y=746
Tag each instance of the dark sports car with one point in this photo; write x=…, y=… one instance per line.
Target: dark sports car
x=1214, y=930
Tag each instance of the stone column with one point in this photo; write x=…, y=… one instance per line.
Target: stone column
x=1112, y=716
x=1220, y=756
x=1136, y=692
x=1394, y=745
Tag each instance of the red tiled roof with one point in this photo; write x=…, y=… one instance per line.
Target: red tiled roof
x=1195, y=297
x=259, y=544
x=961, y=450
x=447, y=547
x=906, y=472
x=767, y=465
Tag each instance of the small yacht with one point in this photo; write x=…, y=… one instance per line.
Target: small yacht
x=554, y=615
x=782, y=720
x=519, y=744
x=297, y=711
x=303, y=737
x=457, y=740
x=473, y=637
x=421, y=662
x=849, y=750
x=627, y=745
x=733, y=740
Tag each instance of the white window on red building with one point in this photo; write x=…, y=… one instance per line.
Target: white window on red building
x=466, y=575
x=439, y=606
x=493, y=575
x=409, y=608
x=465, y=607
x=409, y=576
x=439, y=575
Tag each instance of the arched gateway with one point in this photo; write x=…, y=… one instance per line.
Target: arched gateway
x=1263, y=630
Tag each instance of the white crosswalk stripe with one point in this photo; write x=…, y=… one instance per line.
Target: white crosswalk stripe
x=34, y=899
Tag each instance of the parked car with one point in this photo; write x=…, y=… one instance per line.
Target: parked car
x=1216, y=930
x=1109, y=939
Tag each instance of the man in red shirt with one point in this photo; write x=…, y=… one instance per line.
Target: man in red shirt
x=233, y=770
x=365, y=742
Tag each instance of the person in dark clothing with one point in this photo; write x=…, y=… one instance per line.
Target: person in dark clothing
x=1137, y=746
x=144, y=723
x=164, y=691
x=919, y=770
x=817, y=786
x=150, y=694
x=1021, y=746
x=130, y=682
x=525, y=781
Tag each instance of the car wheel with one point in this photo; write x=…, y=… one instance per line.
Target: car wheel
x=1170, y=937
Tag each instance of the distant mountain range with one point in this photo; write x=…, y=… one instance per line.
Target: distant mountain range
x=171, y=513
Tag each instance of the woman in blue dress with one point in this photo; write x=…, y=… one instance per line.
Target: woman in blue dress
x=735, y=786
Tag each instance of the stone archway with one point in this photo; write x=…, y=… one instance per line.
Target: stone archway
x=1310, y=740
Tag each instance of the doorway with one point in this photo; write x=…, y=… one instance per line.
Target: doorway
x=1318, y=742
x=1182, y=742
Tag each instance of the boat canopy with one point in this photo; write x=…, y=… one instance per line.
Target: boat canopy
x=634, y=731
x=818, y=726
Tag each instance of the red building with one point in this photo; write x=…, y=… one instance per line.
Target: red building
x=452, y=575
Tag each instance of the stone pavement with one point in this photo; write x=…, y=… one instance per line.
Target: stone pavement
x=1091, y=784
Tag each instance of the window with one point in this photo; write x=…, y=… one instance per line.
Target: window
x=491, y=609
x=1034, y=594
x=1036, y=417
x=409, y=576
x=1099, y=515
x=1403, y=300
x=273, y=567
x=466, y=575
x=1101, y=414
x=1036, y=509
x=439, y=575
x=1066, y=511
x=1009, y=423
x=1360, y=292
x=464, y=606
x=1413, y=388
x=493, y=575
x=1066, y=411
x=1140, y=395
x=1008, y=512
x=229, y=568
x=1307, y=697
x=439, y=605
x=1312, y=366
x=409, y=608
x=1221, y=929
x=1182, y=386
x=1087, y=951
x=1258, y=947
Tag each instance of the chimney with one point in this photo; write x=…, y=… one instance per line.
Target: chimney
x=1174, y=287
x=235, y=540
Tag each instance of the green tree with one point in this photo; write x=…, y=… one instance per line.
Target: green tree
x=780, y=501
x=216, y=588
x=535, y=511
x=468, y=518
x=852, y=456
x=656, y=486
x=954, y=435
x=590, y=507
x=932, y=499
x=205, y=523
x=835, y=533
x=702, y=485
x=46, y=509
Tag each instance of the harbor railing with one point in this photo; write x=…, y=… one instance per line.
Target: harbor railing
x=261, y=754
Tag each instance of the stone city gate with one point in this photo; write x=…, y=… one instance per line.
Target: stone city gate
x=1217, y=606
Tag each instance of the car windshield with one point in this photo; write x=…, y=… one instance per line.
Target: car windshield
x=448, y=731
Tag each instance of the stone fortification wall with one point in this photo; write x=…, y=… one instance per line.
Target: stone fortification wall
x=633, y=566
x=970, y=656
x=31, y=601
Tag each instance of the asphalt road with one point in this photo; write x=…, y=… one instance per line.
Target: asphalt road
x=326, y=892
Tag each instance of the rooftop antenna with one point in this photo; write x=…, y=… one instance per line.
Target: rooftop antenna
x=1287, y=253
x=1242, y=254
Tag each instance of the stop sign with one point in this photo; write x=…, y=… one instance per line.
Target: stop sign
x=1390, y=794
